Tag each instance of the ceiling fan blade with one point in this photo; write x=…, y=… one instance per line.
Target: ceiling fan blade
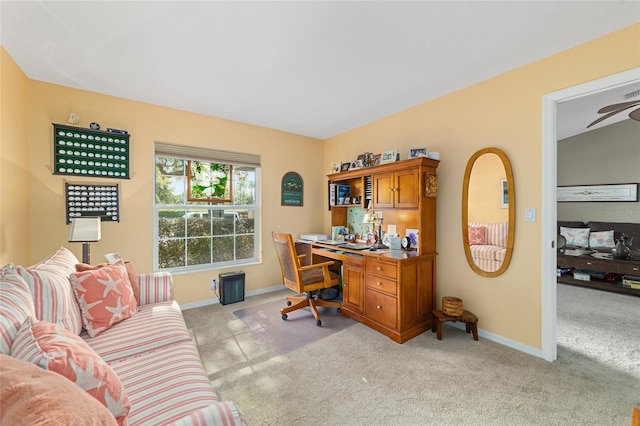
x=621, y=106
x=635, y=114
x=604, y=117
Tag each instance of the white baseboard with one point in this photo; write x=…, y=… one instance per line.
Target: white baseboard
x=215, y=301
x=501, y=340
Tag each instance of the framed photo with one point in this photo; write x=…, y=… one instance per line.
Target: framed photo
x=356, y=164
x=345, y=167
x=389, y=156
x=209, y=182
x=504, y=194
x=418, y=152
x=334, y=168
x=376, y=159
x=609, y=192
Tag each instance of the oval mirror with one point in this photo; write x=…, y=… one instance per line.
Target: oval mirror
x=488, y=212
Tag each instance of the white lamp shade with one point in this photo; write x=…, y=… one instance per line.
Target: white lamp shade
x=85, y=229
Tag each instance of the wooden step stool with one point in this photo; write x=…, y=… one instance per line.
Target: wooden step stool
x=467, y=317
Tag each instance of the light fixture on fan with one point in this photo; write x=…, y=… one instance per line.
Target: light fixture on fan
x=614, y=109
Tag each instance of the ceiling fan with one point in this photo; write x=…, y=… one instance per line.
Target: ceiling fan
x=610, y=110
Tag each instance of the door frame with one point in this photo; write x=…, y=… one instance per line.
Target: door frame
x=549, y=208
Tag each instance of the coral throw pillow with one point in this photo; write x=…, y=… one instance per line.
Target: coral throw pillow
x=56, y=349
x=576, y=237
x=477, y=235
x=105, y=297
x=33, y=396
x=131, y=273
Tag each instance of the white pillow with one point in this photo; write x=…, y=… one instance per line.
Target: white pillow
x=601, y=239
x=576, y=237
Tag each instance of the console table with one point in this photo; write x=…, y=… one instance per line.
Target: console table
x=591, y=263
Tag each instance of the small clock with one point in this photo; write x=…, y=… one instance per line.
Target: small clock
x=405, y=243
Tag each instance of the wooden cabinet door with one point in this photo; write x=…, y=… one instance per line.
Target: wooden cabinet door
x=407, y=188
x=352, y=287
x=383, y=195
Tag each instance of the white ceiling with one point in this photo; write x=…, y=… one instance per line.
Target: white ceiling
x=311, y=68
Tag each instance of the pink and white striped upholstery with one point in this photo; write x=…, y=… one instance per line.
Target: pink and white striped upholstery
x=153, y=327
x=489, y=256
x=50, y=287
x=169, y=385
x=16, y=304
x=155, y=288
x=496, y=233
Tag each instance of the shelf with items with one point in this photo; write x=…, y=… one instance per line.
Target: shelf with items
x=586, y=271
x=79, y=151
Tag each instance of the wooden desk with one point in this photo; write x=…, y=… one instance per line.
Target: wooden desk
x=392, y=292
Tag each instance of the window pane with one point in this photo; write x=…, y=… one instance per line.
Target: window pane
x=170, y=253
x=244, y=181
x=198, y=224
x=169, y=166
x=244, y=247
x=198, y=251
x=170, y=189
x=171, y=223
x=246, y=224
x=222, y=249
x=223, y=223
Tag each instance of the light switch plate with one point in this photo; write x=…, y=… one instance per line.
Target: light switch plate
x=530, y=214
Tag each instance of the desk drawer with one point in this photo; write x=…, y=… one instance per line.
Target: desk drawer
x=381, y=284
x=629, y=268
x=379, y=267
x=381, y=308
x=590, y=263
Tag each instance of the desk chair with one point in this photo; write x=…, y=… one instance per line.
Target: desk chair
x=309, y=279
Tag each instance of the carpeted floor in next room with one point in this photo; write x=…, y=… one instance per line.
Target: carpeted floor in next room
x=357, y=376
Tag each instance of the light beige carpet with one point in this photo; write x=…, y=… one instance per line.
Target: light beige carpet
x=360, y=377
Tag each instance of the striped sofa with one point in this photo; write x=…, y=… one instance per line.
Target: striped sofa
x=151, y=352
x=490, y=246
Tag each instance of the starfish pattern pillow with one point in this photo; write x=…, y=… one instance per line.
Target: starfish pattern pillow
x=56, y=349
x=105, y=297
x=477, y=235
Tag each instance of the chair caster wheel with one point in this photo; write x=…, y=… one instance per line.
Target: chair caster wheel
x=288, y=303
x=338, y=310
x=319, y=323
x=284, y=316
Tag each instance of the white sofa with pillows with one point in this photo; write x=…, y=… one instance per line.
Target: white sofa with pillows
x=488, y=244
x=119, y=336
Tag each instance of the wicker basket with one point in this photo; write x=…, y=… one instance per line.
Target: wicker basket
x=452, y=306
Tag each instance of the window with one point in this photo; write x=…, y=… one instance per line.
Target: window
x=192, y=235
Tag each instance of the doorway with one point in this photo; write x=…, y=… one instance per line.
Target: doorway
x=549, y=183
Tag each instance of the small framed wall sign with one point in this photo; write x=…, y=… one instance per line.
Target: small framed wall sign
x=92, y=200
x=389, y=157
x=292, y=190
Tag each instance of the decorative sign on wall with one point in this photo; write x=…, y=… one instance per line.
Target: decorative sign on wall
x=292, y=190
x=84, y=152
x=92, y=200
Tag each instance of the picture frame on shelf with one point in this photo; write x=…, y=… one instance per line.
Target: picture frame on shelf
x=389, y=156
x=356, y=164
x=376, y=159
x=334, y=168
x=412, y=234
x=418, y=152
x=345, y=167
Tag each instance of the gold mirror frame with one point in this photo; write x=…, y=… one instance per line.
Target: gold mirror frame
x=511, y=214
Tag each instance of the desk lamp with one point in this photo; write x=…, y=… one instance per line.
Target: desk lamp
x=374, y=219
x=85, y=230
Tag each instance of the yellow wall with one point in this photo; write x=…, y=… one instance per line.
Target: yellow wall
x=14, y=156
x=503, y=112
x=133, y=236
x=485, y=190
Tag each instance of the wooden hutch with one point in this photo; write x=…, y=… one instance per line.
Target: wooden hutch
x=391, y=291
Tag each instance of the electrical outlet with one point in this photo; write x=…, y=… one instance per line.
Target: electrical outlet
x=214, y=284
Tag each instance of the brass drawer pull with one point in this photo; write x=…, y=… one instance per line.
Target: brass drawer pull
x=378, y=283
x=379, y=268
x=589, y=263
x=378, y=307
x=636, y=269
